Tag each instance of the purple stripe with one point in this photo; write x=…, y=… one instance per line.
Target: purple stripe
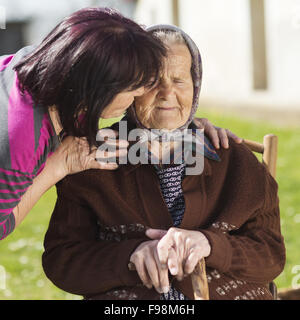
x=13, y=183
x=8, y=231
x=13, y=192
x=9, y=200
x=9, y=226
x=5, y=62
x=42, y=167
x=45, y=134
x=4, y=232
x=16, y=174
x=3, y=222
x=21, y=129
x=6, y=211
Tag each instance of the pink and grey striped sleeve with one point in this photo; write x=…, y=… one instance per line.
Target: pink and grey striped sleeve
x=25, y=141
x=13, y=185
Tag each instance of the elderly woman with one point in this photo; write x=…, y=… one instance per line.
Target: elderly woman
x=161, y=220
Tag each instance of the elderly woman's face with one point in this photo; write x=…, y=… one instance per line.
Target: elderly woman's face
x=168, y=104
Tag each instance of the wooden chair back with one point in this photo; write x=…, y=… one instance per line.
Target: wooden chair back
x=268, y=149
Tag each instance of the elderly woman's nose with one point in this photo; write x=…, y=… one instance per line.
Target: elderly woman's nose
x=166, y=89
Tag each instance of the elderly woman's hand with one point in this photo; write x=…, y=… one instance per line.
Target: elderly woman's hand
x=150, y=270
x=216, y=134
x=187, y=247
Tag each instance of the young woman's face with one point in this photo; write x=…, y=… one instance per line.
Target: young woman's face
x=120, y=103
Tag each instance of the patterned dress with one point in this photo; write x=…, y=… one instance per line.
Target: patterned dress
x=170, y=180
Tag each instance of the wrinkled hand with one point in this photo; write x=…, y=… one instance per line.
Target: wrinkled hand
x=74, y=155
x=149, y=268
x=216, y=134
x=180, y=249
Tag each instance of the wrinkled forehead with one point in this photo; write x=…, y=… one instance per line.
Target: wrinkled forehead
x=178, y=60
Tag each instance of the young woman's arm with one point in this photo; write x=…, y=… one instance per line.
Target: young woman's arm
x=44, y=181
x=71, y=156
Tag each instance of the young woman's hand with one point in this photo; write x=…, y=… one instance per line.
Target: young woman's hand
x=74, y=155
x=216, y=134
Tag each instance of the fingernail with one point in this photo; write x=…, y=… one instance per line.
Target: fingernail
x=165, y=289
x=173, y=271
x=159, y=290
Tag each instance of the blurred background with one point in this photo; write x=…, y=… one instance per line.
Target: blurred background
x=251, y=85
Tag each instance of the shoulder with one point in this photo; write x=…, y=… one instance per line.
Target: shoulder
x=95, y=184
x=25, y=130
x=83, y=185
x=240, y=157
x=25, y=137
x=241, y=171
x=250, y=161
x=9, y=61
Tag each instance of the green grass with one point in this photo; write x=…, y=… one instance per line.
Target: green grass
x=20, y=253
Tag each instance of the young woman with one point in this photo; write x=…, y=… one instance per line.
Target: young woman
x=93, y=64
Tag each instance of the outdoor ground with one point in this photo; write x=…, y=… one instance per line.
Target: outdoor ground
x=20, y=253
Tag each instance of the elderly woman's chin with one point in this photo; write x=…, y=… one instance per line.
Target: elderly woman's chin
x=169, y=124
x=165, y=119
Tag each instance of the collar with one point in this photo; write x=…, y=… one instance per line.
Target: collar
x=209, y=152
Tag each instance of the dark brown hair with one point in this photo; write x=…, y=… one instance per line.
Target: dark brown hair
x=85, y=61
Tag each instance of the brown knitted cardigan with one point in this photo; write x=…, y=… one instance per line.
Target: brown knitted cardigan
x=100, y=218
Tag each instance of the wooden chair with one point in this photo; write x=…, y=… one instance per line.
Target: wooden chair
x=268, y=149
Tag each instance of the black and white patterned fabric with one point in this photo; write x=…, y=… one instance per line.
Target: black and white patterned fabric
x=170, y=180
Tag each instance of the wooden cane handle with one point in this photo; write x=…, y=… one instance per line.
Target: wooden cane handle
x=199, y=281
